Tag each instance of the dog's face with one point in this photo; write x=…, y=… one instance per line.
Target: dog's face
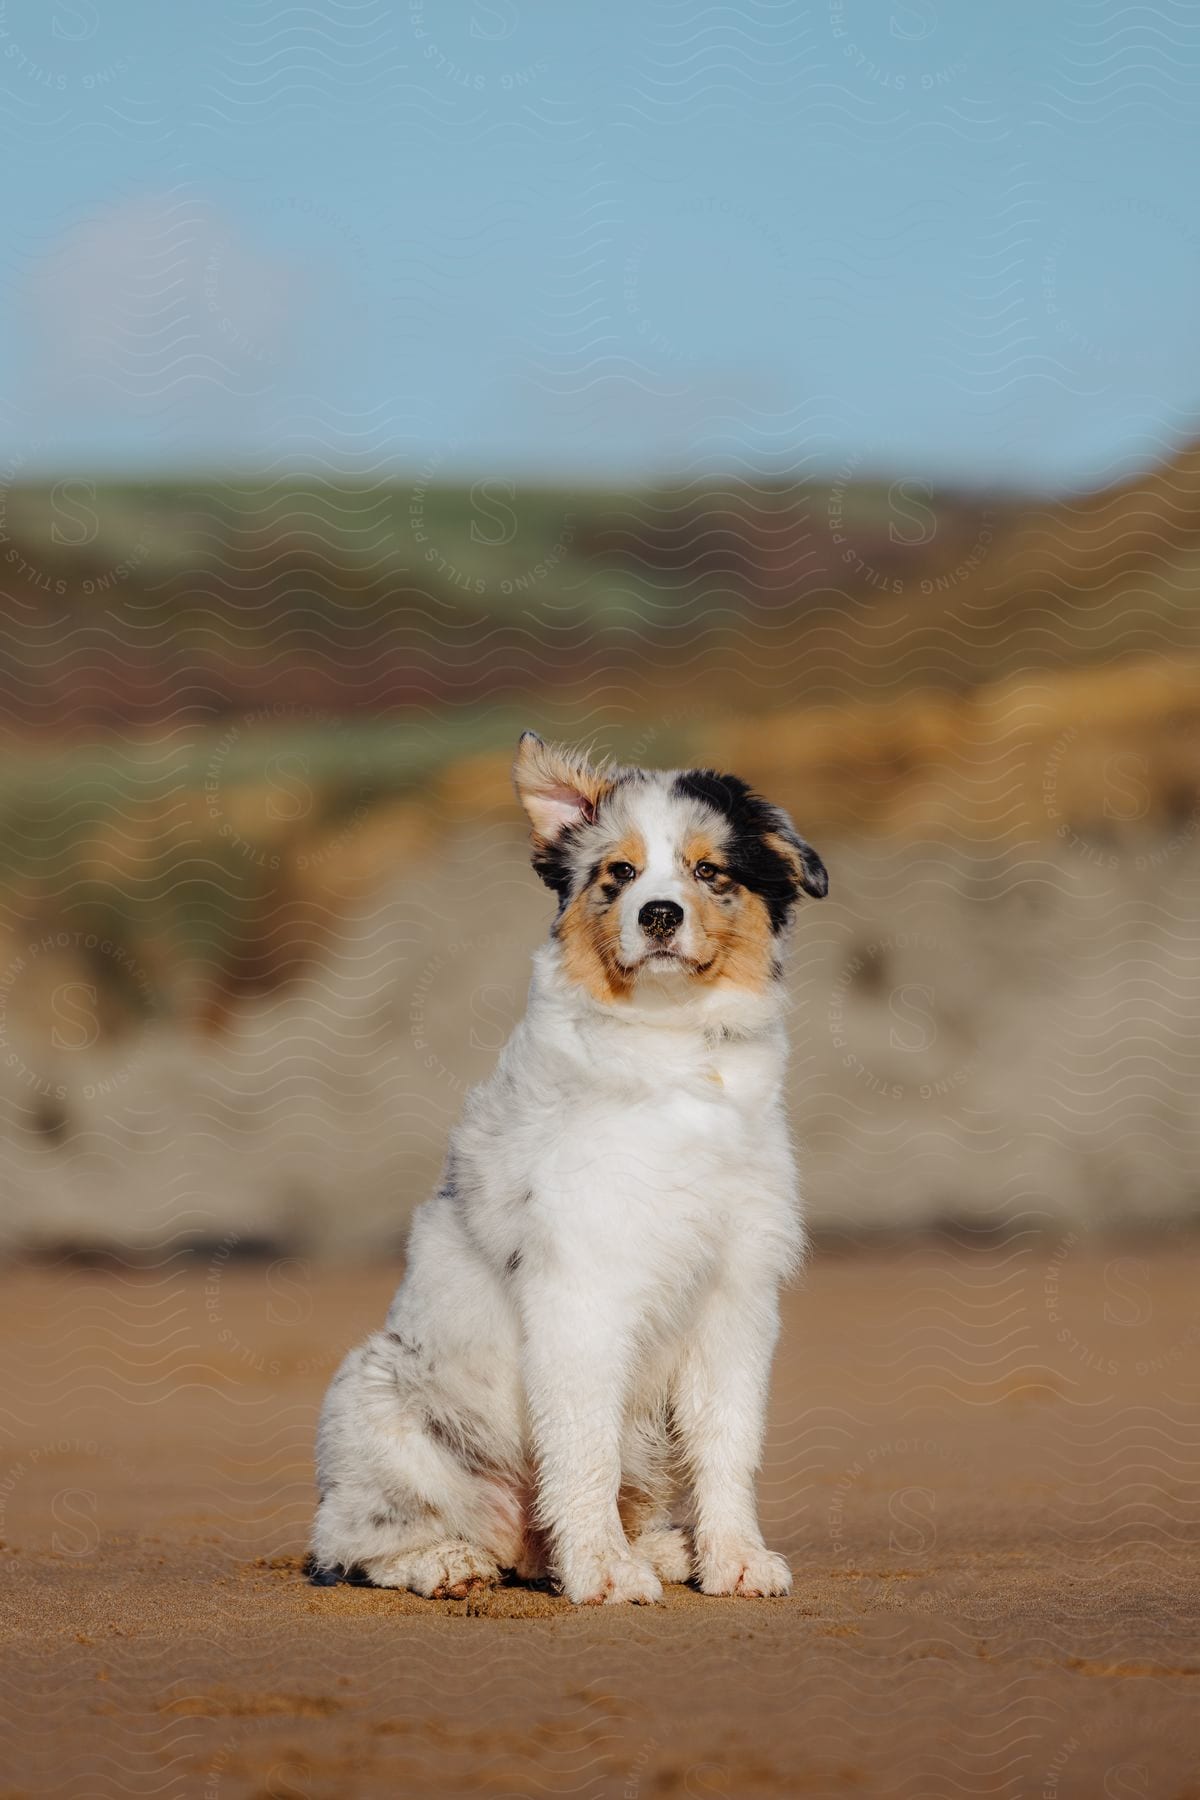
x=661, y=875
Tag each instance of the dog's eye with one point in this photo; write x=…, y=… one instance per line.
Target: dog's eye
x=622, y=871
x=707, y=871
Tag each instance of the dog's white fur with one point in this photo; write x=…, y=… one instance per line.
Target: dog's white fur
x=589, y=1307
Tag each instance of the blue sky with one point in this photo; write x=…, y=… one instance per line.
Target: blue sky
x=601, y=243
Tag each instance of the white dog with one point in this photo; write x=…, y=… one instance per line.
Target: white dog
x=589, y=1309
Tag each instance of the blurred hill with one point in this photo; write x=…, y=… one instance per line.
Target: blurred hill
x=143, y=605
x=243, y=718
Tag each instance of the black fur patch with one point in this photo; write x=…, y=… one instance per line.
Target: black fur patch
x=450, y=1186
x=611, y=890
x=316, y=1576
x=552, y=861
x=463, y=1439
x=442, y=1434
x=752, y=861
x=513, y=1263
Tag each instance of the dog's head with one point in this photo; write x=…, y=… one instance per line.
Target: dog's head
x=681, y=876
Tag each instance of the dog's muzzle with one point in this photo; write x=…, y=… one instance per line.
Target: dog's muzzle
x=660, y=920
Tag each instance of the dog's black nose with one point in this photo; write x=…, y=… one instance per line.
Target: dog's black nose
x=660, y=919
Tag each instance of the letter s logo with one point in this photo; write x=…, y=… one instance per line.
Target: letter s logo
x=915, y=21
x=289, y=1282
x=1128, y=1781
x=491, y=1016
x=73, y=1004
x=706, y=1781
x=1134, y=794
x=84, y=522
x=75, y=1509
x=290, y=798
x=921, y=517
x=288, y=1781
x=912, y=1006
x=1126, y=1282
x=912, y=1510
x=502, y=16
x=504, y=517
x=76, y=23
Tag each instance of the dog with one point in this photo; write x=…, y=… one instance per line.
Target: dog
x=589, y=1309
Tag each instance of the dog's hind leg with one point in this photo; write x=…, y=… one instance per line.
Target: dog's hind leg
x=445, y=1571
x=404, y=1499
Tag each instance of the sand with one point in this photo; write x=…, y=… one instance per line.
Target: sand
x=982, y=1465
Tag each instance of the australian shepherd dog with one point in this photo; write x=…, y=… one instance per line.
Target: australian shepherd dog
x=572, y=1378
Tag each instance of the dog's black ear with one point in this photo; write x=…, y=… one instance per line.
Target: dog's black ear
x=768, y=853
x=811, y=873
x=558, y=788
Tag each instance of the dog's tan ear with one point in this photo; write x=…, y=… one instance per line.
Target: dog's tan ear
x=558, y=788
x=809, y=871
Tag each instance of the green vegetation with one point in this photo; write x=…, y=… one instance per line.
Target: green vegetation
x=216, y=688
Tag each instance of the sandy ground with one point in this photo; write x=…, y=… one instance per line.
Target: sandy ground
x=982, y=1465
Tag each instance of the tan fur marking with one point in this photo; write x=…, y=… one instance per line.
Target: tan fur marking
x=738, y=933
x=789, y=853
x=741, y=941
x=628, y=849
x=702, y=846
x=589, y=932
x=636, y=1509
x=583, y=959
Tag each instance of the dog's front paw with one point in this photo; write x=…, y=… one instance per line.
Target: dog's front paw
x=608, y=1580
x=746, y=1569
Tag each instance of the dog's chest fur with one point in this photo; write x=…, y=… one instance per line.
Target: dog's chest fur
x=649, y=1153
